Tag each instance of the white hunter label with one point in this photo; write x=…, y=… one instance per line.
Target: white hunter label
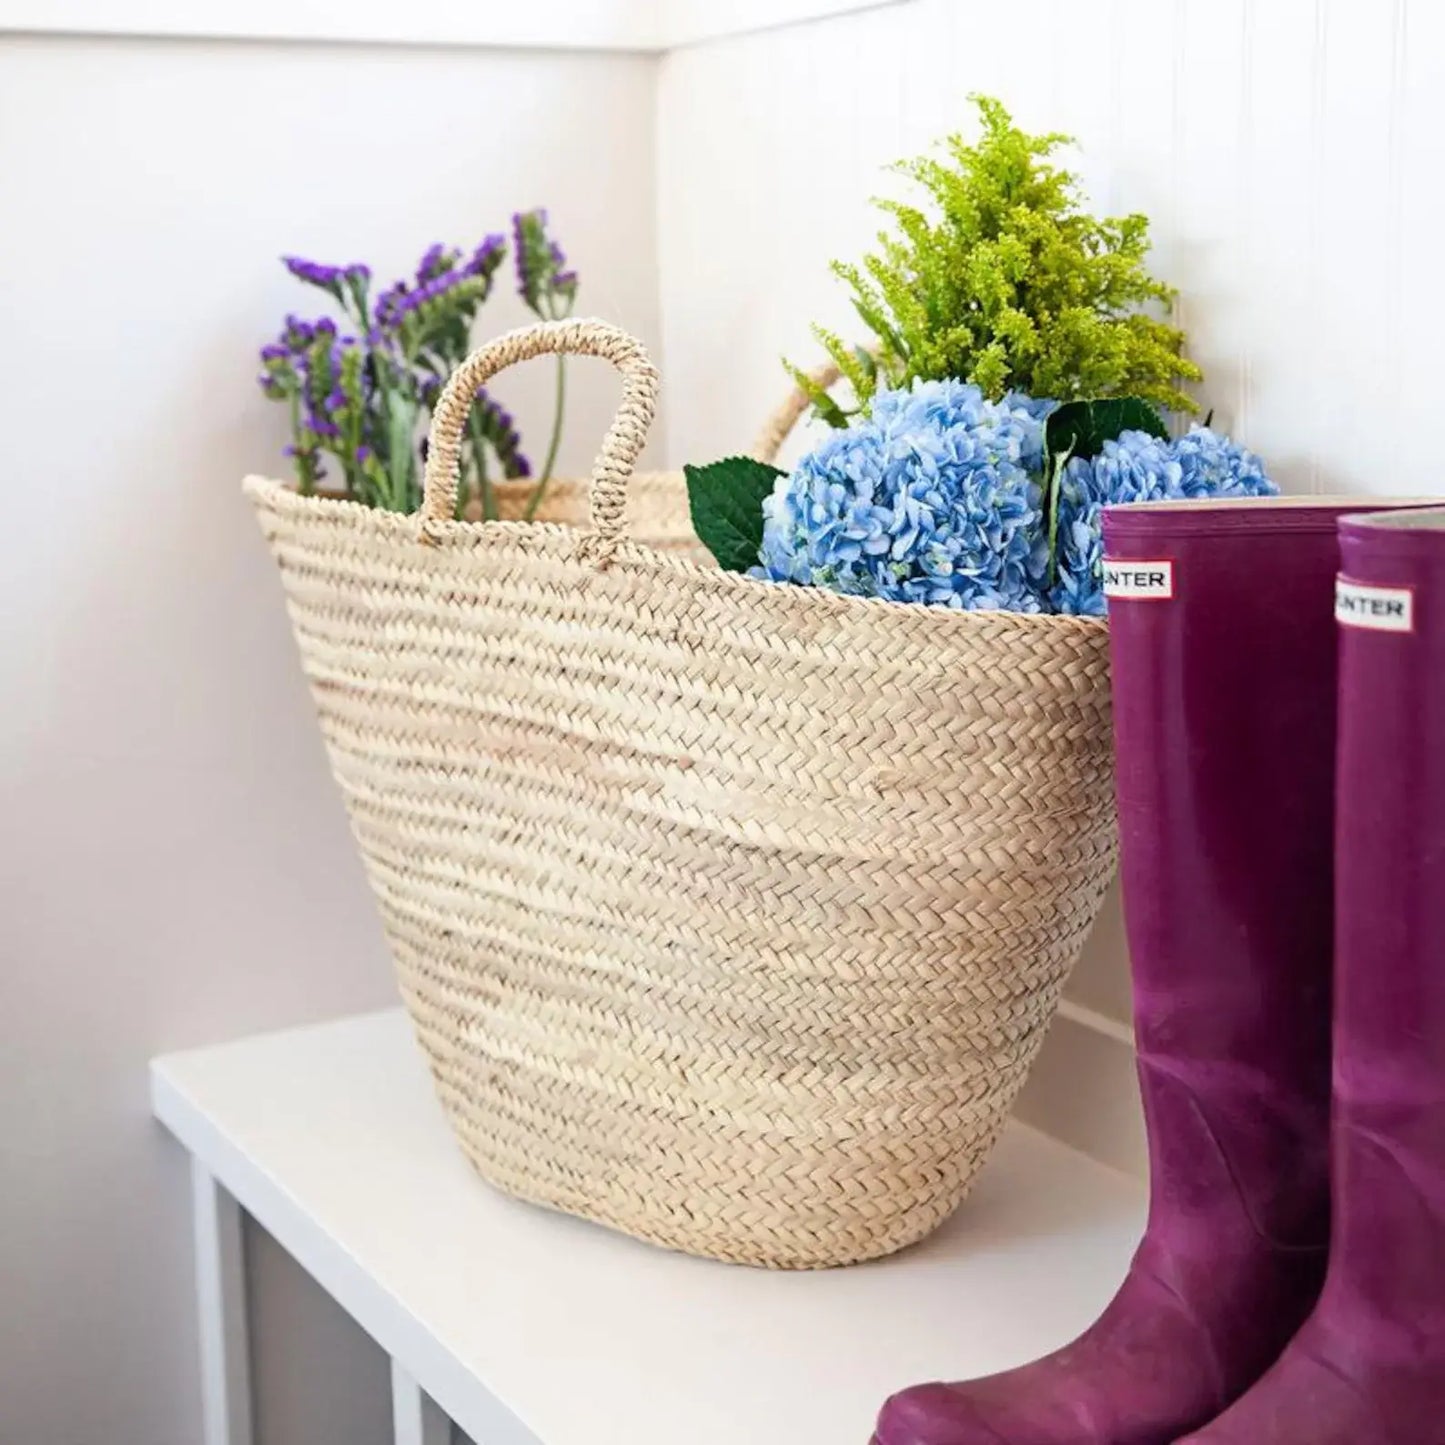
x=1386, y=609
x=1143, y=580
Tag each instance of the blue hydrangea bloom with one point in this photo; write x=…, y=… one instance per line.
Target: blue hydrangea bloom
x=933, y=497
x=1139, y=468
x=1213, y=466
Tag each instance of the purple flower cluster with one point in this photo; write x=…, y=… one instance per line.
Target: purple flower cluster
x=438, y=276
x=544, y=280
x=355, y=400
x=328, y=278
x=290, y=349
x=319, y=372
x=497, y=425
x=435, y=259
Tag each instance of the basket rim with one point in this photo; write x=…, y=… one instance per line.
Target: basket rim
x=401, y=526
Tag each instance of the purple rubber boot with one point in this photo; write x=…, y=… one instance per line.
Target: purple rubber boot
x=1223, y=650
x=1368, y=1368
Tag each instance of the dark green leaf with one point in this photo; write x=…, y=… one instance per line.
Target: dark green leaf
x=1080, y=428
x=726, y=499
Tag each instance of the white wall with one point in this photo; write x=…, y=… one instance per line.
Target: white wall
x=1287, y=151
x=174, y=863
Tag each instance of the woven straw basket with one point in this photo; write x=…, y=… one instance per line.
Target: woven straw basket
x=729, y=914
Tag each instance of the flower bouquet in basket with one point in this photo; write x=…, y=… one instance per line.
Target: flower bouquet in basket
x=731, y=904
x=1011, y=390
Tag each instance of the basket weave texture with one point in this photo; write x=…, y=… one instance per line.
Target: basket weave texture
x=729, y=914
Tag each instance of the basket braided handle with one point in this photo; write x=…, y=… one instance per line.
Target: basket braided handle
x=781, y=423
x=620, y=447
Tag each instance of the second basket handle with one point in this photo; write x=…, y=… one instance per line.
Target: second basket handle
x=781, y=423
x=620, y=447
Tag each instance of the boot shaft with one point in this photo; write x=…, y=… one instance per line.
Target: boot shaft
x=1224, y=691
x=1387, y=1272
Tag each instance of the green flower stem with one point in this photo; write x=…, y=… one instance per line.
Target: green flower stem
x=351, y=441
x=535, y=500
x=1054, y=464
x=304, y=482
x=479, y=459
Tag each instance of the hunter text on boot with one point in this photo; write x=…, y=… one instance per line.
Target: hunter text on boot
x=1386, y=609
x=1153, y=581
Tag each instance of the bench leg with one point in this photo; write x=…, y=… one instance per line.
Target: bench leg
x=221, y=1310
x=416, y=1418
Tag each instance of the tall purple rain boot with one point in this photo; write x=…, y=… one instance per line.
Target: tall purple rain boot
x=1223, y=652
x=1368, y=1368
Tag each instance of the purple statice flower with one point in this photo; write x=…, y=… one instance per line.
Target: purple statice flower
x=500, y=429
x=320, y=373
x=283, y=361
x=389, y=306
x=564, y=279
x=298, y=334
x=394, y=305
x=526, y=227
x=435, y=259
x=487, y=256
x=544, y=280
x=438, y=274
x=315, y=273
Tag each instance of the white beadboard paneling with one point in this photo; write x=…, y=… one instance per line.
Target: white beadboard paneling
x=974, y=47
x=1415, y=377
x=1082, y=50
x=1146, y=123
x=1208, y=112
x=1280, y=264
x=1357, y=246
x=759, y=196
